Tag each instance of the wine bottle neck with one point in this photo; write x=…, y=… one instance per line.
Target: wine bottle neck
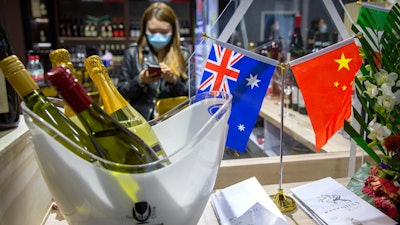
x=68, y=87
x=112, y=99
x=17, y=75
x=76, y=97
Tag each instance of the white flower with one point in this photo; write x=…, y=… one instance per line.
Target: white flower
x=377, y=131
x=387, y=99
x=391, y=79
x=383, y=77
x=371, y=89
x=397, y=97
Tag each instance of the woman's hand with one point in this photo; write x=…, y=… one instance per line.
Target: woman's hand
x=146, y=78
x=168, y=74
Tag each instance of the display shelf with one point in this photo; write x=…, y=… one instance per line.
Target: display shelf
x=86, y=39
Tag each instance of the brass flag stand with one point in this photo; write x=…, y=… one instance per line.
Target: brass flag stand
x=283, y=202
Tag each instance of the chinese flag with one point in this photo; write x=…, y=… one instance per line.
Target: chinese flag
x=325, y=79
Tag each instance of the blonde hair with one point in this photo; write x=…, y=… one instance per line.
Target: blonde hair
x=174, y=57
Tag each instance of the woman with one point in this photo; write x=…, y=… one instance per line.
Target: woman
x=318, y=27
x=158, y=44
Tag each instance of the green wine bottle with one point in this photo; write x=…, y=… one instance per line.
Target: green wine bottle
x=35, y=100
x=9, y=100
x=118, y=107
x=119, y=145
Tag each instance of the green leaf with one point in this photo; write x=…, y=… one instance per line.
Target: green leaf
x=356, y=183
x=361, y=142
x=382, y=53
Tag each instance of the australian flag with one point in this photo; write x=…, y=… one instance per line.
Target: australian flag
x=246, y=76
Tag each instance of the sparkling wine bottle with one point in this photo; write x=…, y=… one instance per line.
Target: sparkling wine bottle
x=35, y=100
x=118, y=107
x=9, y=101
x=119, y=145
x=62, y=57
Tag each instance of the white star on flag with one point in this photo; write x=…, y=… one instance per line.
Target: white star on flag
x=252, y=81
x=241, y=127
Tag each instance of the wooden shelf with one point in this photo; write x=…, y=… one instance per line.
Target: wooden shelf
x=83, y=39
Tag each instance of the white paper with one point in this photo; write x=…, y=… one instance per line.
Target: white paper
x=333, y=203
x=246, y=203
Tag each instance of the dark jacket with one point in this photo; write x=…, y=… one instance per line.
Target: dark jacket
x=144, y=96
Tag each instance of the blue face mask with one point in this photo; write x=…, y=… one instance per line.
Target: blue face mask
x=158, y=41
x=323, y=28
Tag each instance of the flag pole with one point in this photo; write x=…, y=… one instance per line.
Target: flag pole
x=283, y=202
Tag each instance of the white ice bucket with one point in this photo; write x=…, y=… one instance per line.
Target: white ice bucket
x=193, y=138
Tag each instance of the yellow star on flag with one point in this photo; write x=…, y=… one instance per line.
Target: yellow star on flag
x=343, y=62
x=336, y=84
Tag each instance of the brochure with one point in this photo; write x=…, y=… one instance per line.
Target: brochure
x=329, y=202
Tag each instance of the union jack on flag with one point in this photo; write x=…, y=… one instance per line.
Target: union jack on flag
x=246, y=76
x=221, y=69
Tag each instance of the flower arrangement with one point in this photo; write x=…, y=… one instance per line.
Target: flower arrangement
x=378, y=91
x=383, y=182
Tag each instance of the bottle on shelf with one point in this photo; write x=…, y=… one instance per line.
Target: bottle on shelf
x=134, y=29
x=108, y=28
x=121, y=27
x=296, y=50
x=35, y=100
x=35, y=69
x=118, y=107
x=43, y=9
x=81, y=27
x=93, y=32
x=119, y=144
x=42, y=34
x=272, y=50
x=105, y=27
x=295, y=93
x=61, y=27
x=75, y=27
x=68, y=27
x=302, y=105
x=115, y=27
x=296, y=43
x=9, y=100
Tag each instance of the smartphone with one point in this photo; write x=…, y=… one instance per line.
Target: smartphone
x=154, y=70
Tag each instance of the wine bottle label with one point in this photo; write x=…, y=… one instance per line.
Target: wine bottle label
x=3, y=94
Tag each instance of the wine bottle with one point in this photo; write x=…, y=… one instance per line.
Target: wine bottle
x=62, y=57
x=9, y=100
x=296, y=51
x=115, y=27
x=119, y=145
x=295, y=93
x=35, y=100
x=118, y=107
x=121, y=27
x=302, y=105
x=296, y=43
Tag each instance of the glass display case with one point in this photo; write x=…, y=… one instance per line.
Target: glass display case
x=269, y=30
